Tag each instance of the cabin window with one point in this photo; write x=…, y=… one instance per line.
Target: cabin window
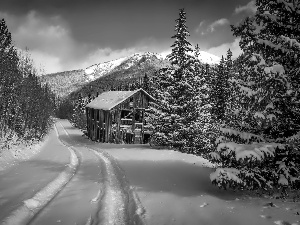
x=139, y=114
x=126, y=114
x=126, y=117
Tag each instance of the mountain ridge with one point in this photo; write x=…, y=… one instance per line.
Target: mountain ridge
x=111, y=73
x=101, y=69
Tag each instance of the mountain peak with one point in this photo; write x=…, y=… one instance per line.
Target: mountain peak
x=101, y=69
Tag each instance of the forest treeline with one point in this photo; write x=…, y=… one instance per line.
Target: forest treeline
x=244, y=113
x=26, y=106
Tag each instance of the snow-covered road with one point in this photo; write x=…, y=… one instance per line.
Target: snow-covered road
x=67, y=183
x=22, y=182
x=124, y=184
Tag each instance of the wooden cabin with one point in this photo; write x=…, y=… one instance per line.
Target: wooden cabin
x=119, y=117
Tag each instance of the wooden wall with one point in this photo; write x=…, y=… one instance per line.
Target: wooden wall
x=99, y=122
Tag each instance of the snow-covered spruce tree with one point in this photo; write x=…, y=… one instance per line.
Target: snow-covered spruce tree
x=204, y=125
x=220, y=92
x=175, y=118
x=181, y=47
x=252, y=151
x=10, y=79
x=219, y=100
x=78, y=118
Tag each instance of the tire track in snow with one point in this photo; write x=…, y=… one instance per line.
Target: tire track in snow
x=118, y=203
x=25, y=213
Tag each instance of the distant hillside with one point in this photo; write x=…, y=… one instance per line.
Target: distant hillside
x=63, y=83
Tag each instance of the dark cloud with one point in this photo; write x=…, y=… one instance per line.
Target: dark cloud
x=72, y=31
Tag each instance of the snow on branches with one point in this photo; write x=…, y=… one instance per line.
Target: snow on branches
x=254, y=166
x=259, y=148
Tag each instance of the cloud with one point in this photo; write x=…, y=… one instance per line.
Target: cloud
x=105, y=54
x=197, y=30
x=250, y=8
x=46, y=62
x=36, y=32
x=53, y=48
x=211, y=27
x=223, y=48
x=101, y=55
x=48, y=39
x=217, y=23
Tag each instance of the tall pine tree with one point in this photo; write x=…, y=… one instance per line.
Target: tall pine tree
x=181, y=46
x=178, y=94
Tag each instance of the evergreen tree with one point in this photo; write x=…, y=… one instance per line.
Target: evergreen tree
x=270, y=40
x=181, y=46
x=219, y=92
x=10, y=79
x=64, y=109
x=79, y=116
x=267, y=84
x=197, y=51
x=89, y=98
x=178, y=94
x=26, y=106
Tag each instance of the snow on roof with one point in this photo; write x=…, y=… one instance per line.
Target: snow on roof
x=110, y=99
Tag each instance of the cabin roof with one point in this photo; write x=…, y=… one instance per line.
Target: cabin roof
x=110, y=99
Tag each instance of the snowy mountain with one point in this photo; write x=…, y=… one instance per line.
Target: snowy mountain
x=99, y=70
x=110, y=73
x=102, y=69
x=208, y=58
x=204, y=57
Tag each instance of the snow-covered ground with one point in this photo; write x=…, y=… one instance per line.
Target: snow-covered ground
x=164, y=187
x=175, y=188
x=79, y=186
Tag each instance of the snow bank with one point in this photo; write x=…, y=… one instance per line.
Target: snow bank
x=17, y=153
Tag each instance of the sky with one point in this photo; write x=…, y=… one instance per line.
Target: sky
x=66, y=35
